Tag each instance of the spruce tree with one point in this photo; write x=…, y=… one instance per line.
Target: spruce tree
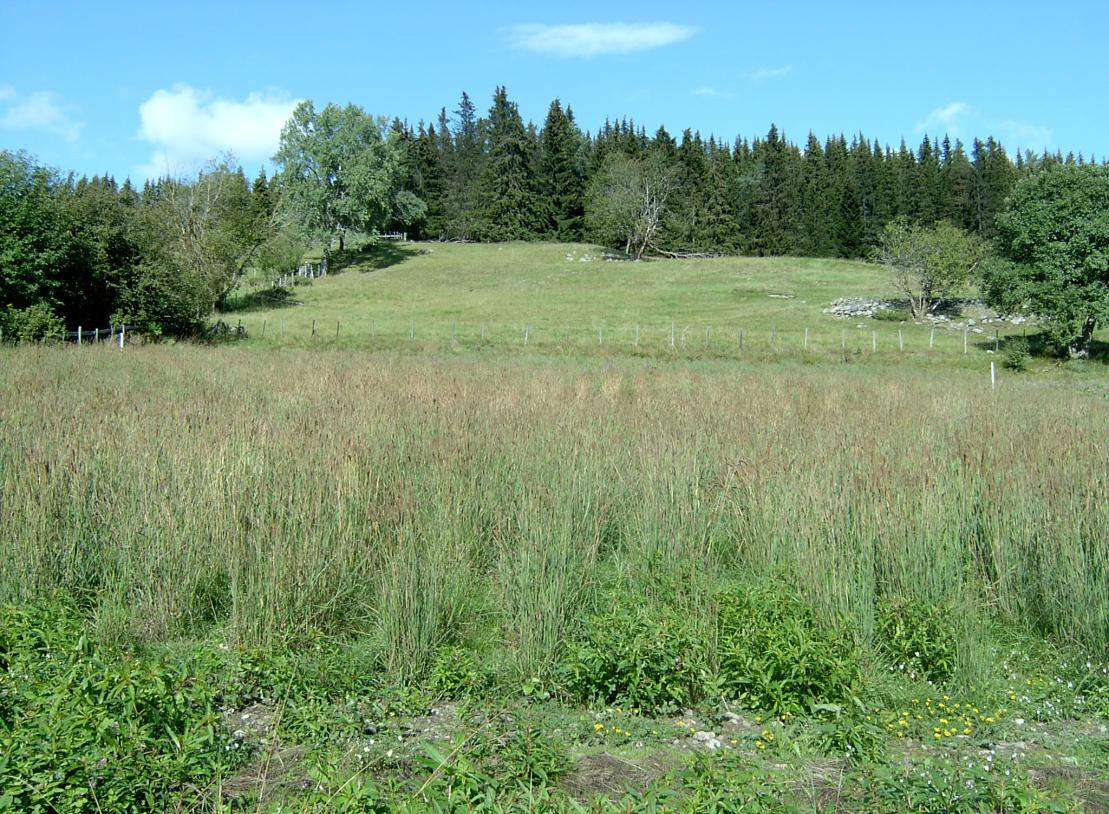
x=508, y=194
x=774, y=206
x=561, y=175
x=994, y=177
x=815, y=235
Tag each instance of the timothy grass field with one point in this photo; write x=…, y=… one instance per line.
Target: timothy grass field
x=372, y=573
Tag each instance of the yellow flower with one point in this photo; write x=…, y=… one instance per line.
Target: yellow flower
x=598, y=727
x=760, y=744
x=966, y=731
x=733, y=741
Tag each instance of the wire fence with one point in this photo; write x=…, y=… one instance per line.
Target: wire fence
x=632, y=337
x=675, y=339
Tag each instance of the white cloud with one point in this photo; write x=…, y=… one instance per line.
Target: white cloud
x=960, y=120
x=1021, y=135
x=594, y=39
x=712, y=93
x=949, y=119
x=188, y=127
x=39, y=110
x=764, y=74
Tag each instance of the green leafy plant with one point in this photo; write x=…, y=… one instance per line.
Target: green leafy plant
x=641, y=658
x=85, y=730
x=845, y=729
x=775, y=654
x=918, y=637
x=947, y=785
x=723, y=783
x=1016, y=355
x=31, y=323
x=455, y=673
x=892, y=315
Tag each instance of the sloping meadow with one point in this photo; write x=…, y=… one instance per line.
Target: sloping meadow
x=497, y=506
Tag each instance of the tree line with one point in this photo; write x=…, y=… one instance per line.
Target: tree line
x=161, y=259
x=165, y=257
x=496, y=178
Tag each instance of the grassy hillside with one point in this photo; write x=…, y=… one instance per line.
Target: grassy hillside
x=376, y=573
x=569, y=298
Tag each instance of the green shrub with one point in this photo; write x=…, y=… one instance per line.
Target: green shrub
x=456, y=673
x=1017, y=355
x=82, y=730
x=946, y=785
x=918, y=637
x=32, y=323
x=775, y=654
x=845, y=729
x=893, y=315
x=640, y=658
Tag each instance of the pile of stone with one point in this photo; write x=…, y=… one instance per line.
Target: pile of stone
x=854, y=307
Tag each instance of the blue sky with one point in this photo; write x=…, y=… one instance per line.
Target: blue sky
x=136, y=89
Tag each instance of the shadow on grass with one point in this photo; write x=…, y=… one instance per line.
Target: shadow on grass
x=1038, y=346
x=373, y=257
x=262, y=299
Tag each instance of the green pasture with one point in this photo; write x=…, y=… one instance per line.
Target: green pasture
x=568, y=298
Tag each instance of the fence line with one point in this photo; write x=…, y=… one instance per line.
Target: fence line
x=643, y=337
x=636, y=337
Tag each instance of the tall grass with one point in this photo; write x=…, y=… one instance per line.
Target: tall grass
x=423, y=502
